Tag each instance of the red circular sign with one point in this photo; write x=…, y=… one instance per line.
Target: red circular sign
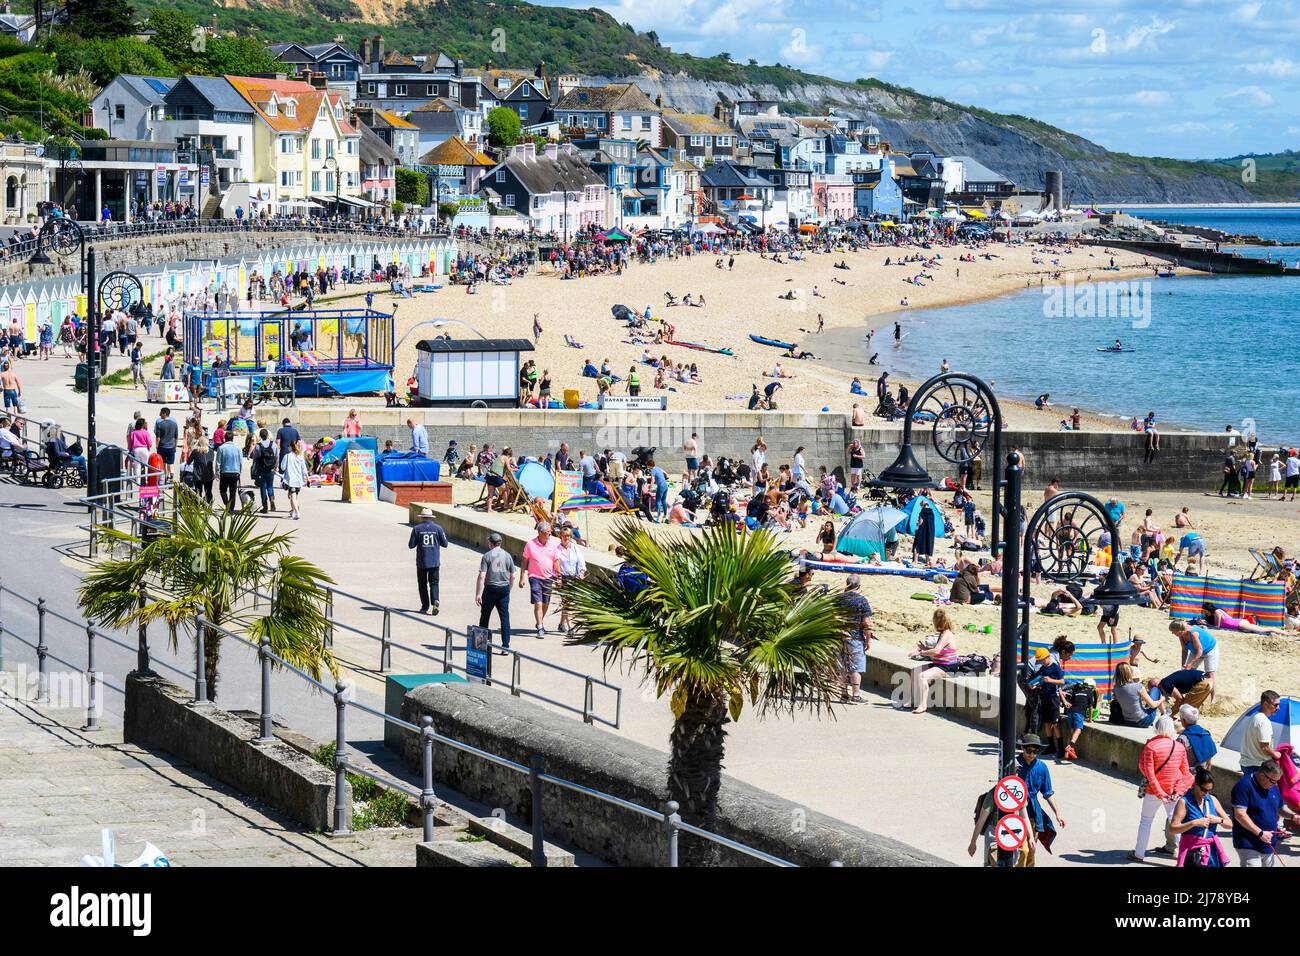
x=1010, y=794
x=1011, y=832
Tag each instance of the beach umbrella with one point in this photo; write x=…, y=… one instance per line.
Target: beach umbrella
x=622, y=313
x=867, y=532
x=1285, y=725
x=912, y=518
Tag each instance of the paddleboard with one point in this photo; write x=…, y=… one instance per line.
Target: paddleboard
x=1116, y=350
x=773, y=342
x=702, y=348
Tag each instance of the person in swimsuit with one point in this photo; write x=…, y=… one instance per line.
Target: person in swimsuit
x=938, y=660
x=1218, y=617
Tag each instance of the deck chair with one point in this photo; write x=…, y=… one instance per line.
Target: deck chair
x=538, y=508
x=513, y=499
x=621, y=505
x=1265, y=565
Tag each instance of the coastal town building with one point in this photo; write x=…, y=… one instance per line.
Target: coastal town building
x=23, y=177
x=702, y=139
x=457, y=169
x=439, y=120
x=528, y=94
x=621, y=110
x=555, y=189
x=637, y=179
x=401, y=135
x=339, y=65
x=378, y=169
x=130, y=105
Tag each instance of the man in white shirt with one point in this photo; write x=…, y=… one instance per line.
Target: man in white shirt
x=1292, y=473
x=419, y=438
x=1257, y=742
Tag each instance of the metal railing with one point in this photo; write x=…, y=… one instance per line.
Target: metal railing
x=116, y=507
x=534, y=770
x=426, y=796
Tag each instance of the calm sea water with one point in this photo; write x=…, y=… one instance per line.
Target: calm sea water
x=1216, y=351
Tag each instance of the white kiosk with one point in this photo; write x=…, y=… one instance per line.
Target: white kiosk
x=469, y=372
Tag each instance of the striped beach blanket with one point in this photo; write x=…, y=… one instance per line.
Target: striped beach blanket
x=1094, y=662
x=1263, y=600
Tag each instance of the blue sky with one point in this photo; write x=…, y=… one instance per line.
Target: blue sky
x=1184, y=78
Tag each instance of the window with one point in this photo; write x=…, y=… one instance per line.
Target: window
x=523, y=111
x=329, y=181
x=510, y=200
x=697, y=140
x=370, y=88
x=645, y=123
x=352, y=147
x=315, y=148
x=501, y=175
x=290, y=107
x=722, y=141
x=286, y=178
x=431, y=90
x=315, y=181
x=272, y=109
x=399, y=89
x=336, y=70
x=284, y=144
x=329, y=148
x=600, y=122
x=119, y=111
x=626, y=121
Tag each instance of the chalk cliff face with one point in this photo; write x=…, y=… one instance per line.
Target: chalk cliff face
x=1091, y=172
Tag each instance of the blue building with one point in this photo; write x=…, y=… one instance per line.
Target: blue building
x=877, y=192
x=638, y=179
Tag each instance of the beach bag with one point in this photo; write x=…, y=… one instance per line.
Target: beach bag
x=973, y=664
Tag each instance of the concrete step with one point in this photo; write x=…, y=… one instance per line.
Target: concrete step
x=517, y=840
x=464, y=852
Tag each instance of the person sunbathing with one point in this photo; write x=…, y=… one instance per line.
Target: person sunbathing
x=1218, y=617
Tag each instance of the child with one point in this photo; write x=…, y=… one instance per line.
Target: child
x=451, y=455
x=968, y=514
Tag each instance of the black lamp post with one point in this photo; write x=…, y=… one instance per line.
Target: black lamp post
x=332, y=165
x=965, y=415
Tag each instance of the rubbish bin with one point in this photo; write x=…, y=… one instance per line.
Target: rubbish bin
x=81, y=377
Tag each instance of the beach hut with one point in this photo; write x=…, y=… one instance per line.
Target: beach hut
x=1285, y=725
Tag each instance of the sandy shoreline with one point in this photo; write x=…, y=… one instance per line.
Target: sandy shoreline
x=742, y=301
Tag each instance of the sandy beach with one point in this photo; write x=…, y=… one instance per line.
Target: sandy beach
x=739, y=302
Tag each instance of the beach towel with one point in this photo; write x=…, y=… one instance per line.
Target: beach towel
x=1265, y=601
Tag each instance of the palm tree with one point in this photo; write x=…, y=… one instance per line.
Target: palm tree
x=211, y=564
x=718, y=625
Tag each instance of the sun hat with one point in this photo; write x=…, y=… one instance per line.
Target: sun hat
x=1030, y=740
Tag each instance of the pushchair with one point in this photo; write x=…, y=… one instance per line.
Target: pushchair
x=642, y=456
x=720, y=508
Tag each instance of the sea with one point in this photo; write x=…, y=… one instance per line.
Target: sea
x=1210, y=351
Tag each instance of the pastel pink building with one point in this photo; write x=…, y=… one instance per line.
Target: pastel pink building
x=833, y=197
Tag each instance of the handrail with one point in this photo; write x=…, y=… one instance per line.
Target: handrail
x=343, y=764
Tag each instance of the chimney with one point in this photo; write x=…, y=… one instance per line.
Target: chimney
x=379, y=48
x=659, y=100
x=553, y=151
x=338, y=38
x=214, y=23
x=460, y=67
x=541, y=70
x=365, y=52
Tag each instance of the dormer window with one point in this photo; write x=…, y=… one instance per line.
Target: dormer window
x=272, y=109
x=290, y=108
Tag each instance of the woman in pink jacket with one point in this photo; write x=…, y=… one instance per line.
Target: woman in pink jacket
x=1166, y=776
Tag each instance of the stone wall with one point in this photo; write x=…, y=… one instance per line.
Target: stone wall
x=1099, y=460
x=161, y=716
x=597, y=759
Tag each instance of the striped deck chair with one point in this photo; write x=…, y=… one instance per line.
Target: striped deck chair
x=1264, y=564
x=512, y=497
x=538, y=508
x=621, y=504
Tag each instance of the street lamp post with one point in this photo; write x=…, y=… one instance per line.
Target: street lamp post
x=966, y=416
x=332, y=165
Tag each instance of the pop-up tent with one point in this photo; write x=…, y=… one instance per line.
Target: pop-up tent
x=1285, y=725
x=913, y=508
x=868, y=531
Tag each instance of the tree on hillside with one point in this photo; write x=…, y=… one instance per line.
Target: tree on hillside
x=238, y=56
x=174, y=37
x=503, y=127
x=718, y=624
x=106, y=19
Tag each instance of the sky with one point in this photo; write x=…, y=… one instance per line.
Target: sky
x=1193, y=79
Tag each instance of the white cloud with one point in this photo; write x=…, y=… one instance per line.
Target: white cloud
x=1278, y=68
x=1247, y=12
x=1247, y=96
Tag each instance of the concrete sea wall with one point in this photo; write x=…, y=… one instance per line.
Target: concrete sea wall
x=1098, y=460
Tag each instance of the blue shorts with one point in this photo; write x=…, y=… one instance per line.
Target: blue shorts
x=168, y=455
x=692, y=464
x=11, y=397
x=539, y=589
x=1076, y=718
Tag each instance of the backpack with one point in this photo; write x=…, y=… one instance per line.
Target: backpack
x=973, y=664
x=266, y=458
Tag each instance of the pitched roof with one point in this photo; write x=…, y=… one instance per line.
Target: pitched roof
x=977, y=172
x=399, y=59
x=686, y=124
x=620, y=96
x=373, y=149
x=455, y=152
x=258, y=92
x=439, y=105
x=218, y=91
x=392, y=119
x=729, y=175
x=151, y=89
x=541, y=174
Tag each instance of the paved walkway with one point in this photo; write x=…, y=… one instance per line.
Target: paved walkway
x=60, y=787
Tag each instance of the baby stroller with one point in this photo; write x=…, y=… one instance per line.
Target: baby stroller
x=642, y=456
x=720, y=508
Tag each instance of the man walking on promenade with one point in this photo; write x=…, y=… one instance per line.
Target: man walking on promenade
x=428, y=539
x=538, y=569
x=495, y=572
x=166, y=432
x=230, y=462
x=1257, y=814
